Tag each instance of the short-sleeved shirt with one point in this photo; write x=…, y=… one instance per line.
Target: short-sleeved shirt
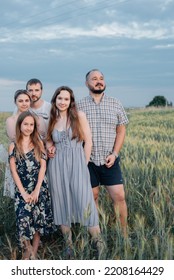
x=43, y=111
x=103, y=119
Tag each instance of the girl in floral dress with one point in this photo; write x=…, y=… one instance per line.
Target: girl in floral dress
x=32, y=199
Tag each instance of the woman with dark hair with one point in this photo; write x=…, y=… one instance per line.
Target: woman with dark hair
x=68, y=175
x=22, y=101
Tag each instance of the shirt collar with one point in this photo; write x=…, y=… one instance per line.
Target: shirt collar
x=93, y=100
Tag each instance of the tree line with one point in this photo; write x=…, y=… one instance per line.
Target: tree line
x=159, y=101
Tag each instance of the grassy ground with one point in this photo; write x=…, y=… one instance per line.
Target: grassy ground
x=147, y=161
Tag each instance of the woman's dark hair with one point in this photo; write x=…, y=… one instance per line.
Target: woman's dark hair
x=19, y=92
x=72, y=115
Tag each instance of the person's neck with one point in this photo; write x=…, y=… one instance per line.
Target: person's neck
x=62, y=121
x=97, y=97
x=37, y=104
x=26, y=138
x=63, y=115
x=26, y=141
x=18, y=113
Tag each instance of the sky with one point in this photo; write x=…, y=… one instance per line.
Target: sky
x=59, y=41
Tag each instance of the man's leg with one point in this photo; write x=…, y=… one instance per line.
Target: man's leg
x=117, y=195
x=95, y=180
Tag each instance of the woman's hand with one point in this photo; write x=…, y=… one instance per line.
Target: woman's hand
x=35, y=195
x=27, y=197
x=51, y=151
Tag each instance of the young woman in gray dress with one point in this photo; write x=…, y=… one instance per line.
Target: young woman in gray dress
x=69, y=136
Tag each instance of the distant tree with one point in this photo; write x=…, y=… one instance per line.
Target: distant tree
x=158, y=101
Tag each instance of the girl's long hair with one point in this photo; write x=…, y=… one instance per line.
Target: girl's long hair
x=34, y=137
x=72, y=115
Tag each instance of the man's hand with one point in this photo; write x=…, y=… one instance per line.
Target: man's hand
x=110, y=160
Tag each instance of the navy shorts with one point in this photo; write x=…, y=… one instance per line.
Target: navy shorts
x=102, y=175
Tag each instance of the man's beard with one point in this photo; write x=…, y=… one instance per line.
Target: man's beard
x=37, y=98
x=97, y=91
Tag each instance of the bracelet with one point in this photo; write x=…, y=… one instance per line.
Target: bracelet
x=115, y=154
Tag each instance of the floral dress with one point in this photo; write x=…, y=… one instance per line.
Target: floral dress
x=31, y=217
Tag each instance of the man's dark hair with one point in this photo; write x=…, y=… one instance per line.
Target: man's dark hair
x=34, y=81
x=93, y=70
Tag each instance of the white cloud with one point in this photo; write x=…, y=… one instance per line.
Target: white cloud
x=135, y=30
x=91, y=2
x=22, y=2
x=57, y=52
x=165, y=3
x=166, y=46
x=9, y=83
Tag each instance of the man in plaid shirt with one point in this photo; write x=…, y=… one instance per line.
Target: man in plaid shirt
x=107, y=119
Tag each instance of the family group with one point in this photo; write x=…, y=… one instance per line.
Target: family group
x=60, y=154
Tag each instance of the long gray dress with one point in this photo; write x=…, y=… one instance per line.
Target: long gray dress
x=69, y=183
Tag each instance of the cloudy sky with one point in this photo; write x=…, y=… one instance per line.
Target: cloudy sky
x=58, y=41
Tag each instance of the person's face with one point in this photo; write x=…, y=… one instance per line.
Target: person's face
x=27, y=126
x=96, y=83
x=63, y=101
x=23, y=102
x=35, y=92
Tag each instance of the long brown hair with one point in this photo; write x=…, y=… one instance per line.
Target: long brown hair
x=72, y=116
x=35, y=138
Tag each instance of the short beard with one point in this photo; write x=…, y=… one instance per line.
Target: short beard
x=97, y=91
x=34, y=101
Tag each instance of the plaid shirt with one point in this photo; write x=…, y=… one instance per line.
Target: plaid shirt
x=103, y=119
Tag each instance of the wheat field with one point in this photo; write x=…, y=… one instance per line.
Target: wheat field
x=147, y=161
